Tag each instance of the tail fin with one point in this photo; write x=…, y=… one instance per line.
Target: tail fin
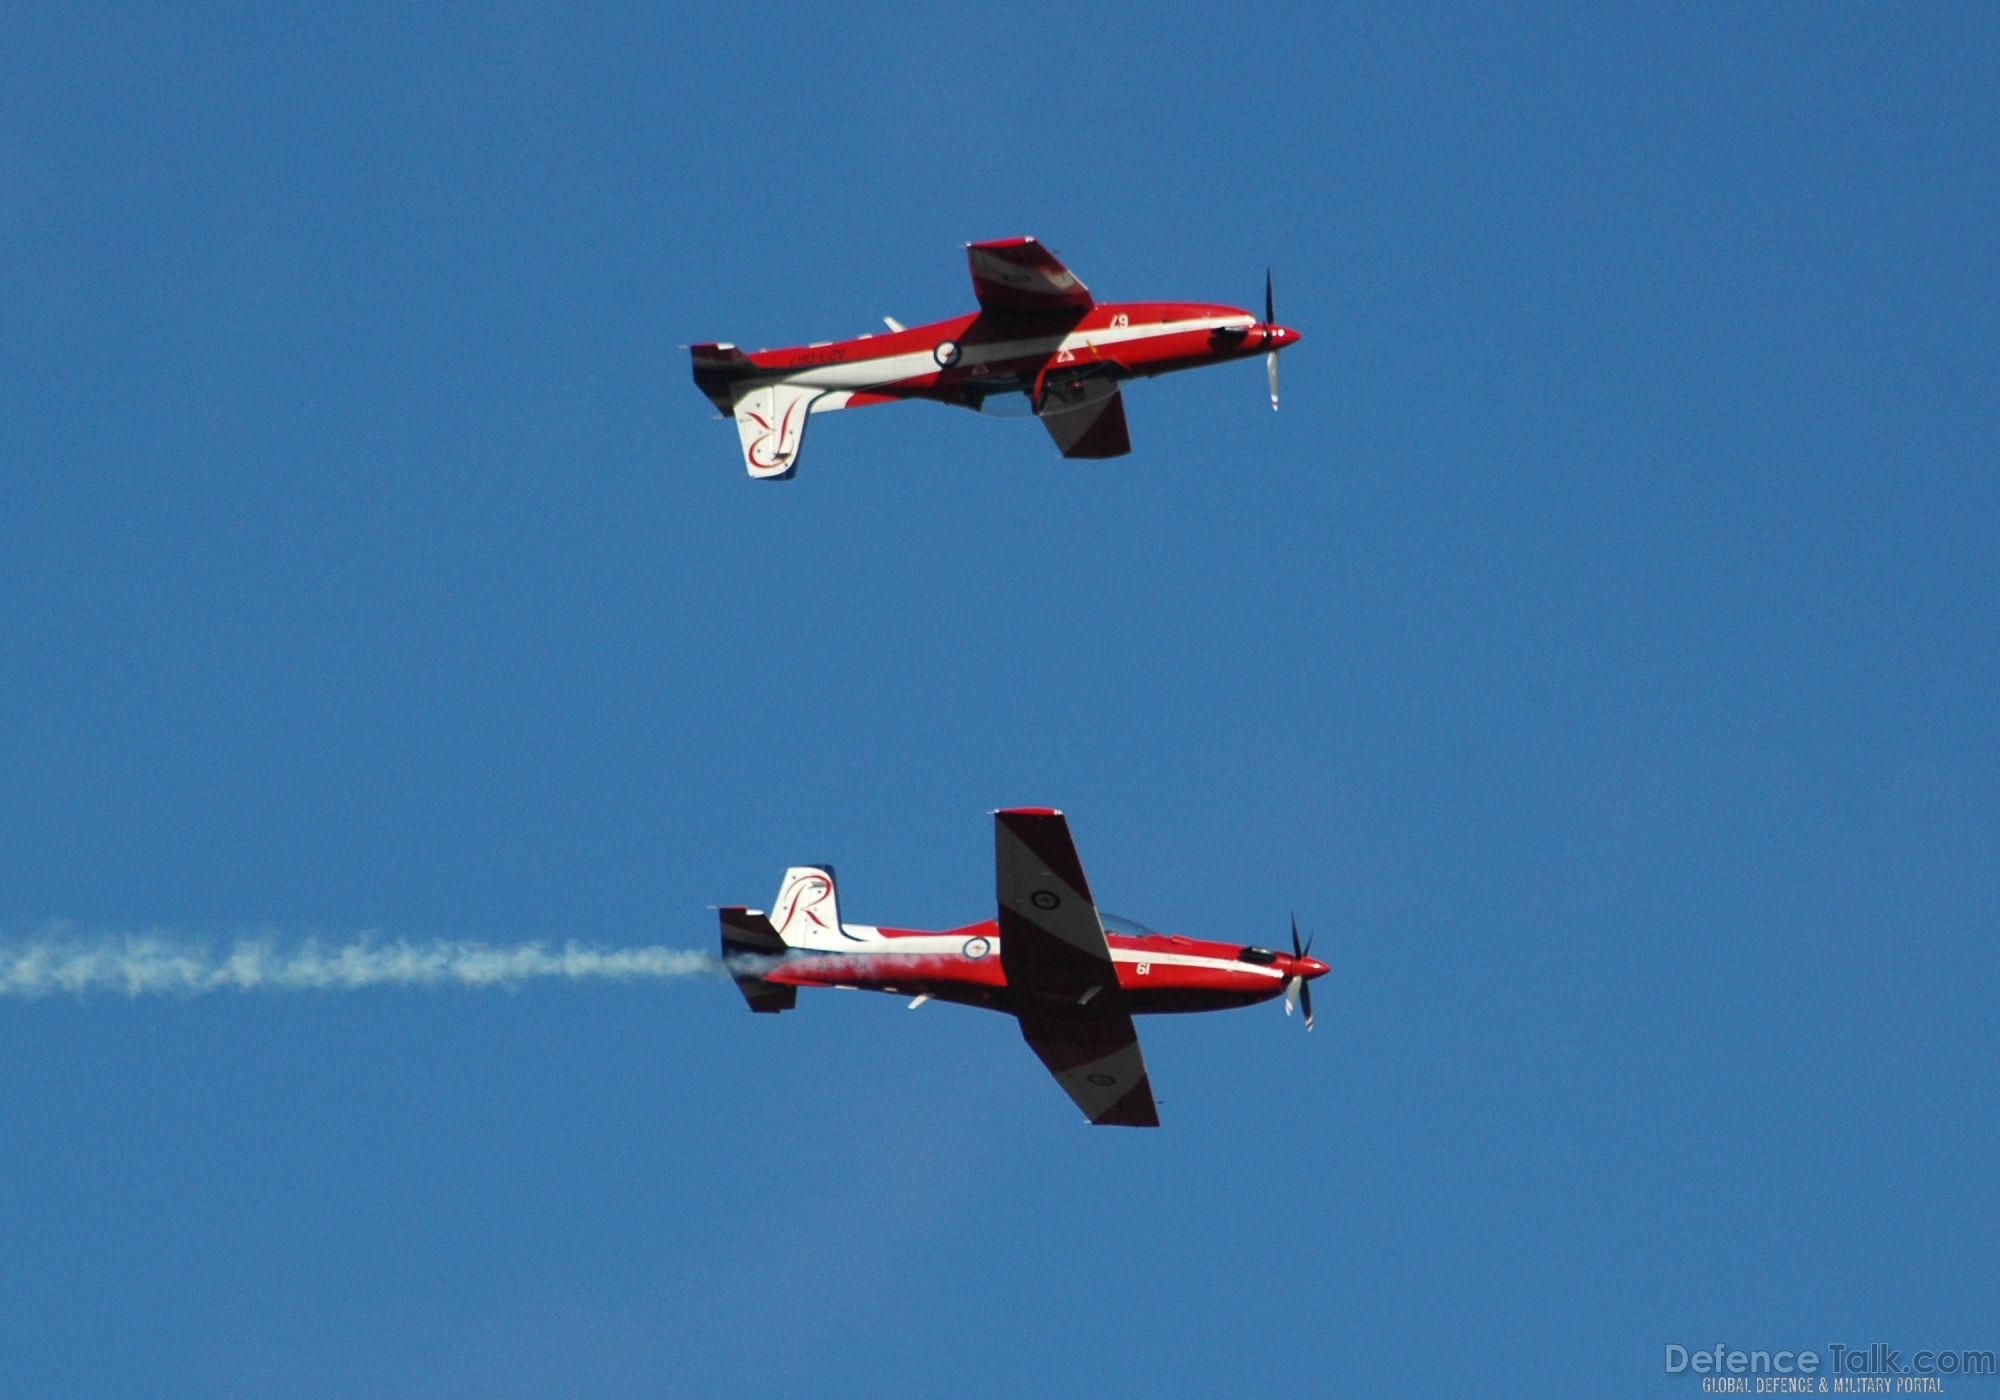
x=747, y=942
x=771, y=419
x=806, y=913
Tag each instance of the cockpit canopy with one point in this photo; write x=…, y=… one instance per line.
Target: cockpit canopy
x=1264, y=957
x=1131, y=928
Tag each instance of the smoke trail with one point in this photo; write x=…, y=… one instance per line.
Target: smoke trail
x=162, y=964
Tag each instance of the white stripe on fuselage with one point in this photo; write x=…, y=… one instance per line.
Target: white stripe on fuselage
x=871, y=944
x=891, y=369
x=1146, y=955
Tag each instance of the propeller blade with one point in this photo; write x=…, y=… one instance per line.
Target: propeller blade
x=1270, y=320
x=1297, y=951
x=1298, y=991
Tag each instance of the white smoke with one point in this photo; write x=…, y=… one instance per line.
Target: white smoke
x=59, y=960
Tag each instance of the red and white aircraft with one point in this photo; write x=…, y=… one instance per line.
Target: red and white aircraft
x=1074, y=978
x=1037, y=332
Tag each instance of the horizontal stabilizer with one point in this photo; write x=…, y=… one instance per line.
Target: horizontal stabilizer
x=750, y=945
x=717, y=368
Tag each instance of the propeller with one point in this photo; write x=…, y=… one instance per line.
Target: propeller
x=1270, y=356
x=1299, y=992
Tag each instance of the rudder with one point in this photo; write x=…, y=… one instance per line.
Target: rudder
x=806, y=913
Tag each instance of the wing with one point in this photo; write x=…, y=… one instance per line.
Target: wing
x=1095, y=1057
x=1095, y=430
x=1019, y=277
x=1059, y=969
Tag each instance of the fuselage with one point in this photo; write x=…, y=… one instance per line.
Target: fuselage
x=1156, y=972
x=967, y=359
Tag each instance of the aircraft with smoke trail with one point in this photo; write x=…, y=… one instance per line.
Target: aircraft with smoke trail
x=1038, y=332
x=1073, y=976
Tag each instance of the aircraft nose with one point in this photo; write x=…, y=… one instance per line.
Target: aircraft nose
x=1309, y=968
x=1282, y=336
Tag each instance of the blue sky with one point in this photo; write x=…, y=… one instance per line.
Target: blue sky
x=1598, y=651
